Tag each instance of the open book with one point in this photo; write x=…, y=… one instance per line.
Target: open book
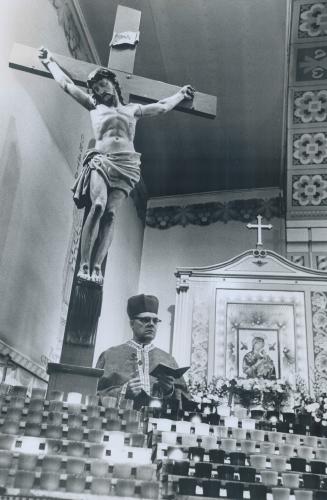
x=162, y=369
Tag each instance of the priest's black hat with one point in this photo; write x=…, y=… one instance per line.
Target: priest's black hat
x=142, y=304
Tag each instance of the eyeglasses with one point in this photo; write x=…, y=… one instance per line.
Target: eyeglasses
x=147, y=319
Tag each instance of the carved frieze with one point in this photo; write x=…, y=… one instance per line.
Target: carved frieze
x=203, y=214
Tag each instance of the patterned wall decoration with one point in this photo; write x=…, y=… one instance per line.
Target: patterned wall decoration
x=309, y=190
x=312, y=20
x=203, y=214
x=307, y=112
x=310, y=149
x=200, y=337
x=319, y=322
x=309, y=106
x=309, y=63
x=321, y=262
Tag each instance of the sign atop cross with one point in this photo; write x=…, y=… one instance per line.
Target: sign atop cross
x=259, y=227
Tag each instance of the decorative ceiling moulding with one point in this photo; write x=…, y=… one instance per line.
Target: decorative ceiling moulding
x=204, y=214
x=79, y=41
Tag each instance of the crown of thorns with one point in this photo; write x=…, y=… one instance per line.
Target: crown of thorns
x=99, y=73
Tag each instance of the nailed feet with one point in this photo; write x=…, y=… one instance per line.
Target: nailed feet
x=95, y=277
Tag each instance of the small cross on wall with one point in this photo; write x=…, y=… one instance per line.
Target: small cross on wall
x=259, y=228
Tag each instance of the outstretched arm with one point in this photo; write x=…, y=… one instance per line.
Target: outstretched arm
x=167, y=104
x=64, y=81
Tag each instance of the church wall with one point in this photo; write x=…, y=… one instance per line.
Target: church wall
x=42, y=136
x=201, y=245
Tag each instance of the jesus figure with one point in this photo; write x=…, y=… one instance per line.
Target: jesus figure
x=112, y=169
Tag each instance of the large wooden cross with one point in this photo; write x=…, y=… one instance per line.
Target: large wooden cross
x=121, y=61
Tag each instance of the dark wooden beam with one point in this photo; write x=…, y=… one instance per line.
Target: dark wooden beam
x=141, y=89
x=123, y=58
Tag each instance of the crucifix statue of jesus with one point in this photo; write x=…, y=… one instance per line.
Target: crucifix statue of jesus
x=112, y=169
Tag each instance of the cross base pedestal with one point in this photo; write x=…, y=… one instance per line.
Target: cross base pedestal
x=73, y=378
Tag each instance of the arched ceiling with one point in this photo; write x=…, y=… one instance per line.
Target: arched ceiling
x=234, y=49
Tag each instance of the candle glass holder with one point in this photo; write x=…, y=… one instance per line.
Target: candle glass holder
x=99, y=468
x=203, y=469
x=96, y=450
x=122, y=471
x=53, y=431
x=75, y=483
x=308, y=495
x=269, y=477
x=100, y=486
x=51, y=463
x=291, y=480
x=225, y=472
x=228, y=444
x=38, y=393
x=109, y=401
x=187, y=485
x=49, y=481
x=55, y=405
x=75, y=465
x=247, y=474
x=75, y=433
x=27, y=461
x=125, y=488
x=280, y=493
x=6, y=458
x=34, y=417
x=75, y=448
x=248, y=446
x=258, y=491
x=311, y=481
x=258, y=461
x=146, y=472
x=55, y=395
x=32, y=429
x=278, y=463
x=95, y=435
x=298, y=464
x=150, y=489
x=318, y=467
x=234, y=490
x=92, y=411
x=94, y=423
x=24, y=479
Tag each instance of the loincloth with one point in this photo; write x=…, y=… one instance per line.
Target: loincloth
x=119, y=170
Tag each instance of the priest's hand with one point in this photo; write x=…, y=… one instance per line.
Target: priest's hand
x=166, y=382
x=134, y=387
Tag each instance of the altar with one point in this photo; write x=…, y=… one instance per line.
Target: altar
x=257, y=303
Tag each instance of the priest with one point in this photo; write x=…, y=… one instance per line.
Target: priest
x=127, y=367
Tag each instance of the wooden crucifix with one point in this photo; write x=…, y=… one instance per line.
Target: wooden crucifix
x=85, y=303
